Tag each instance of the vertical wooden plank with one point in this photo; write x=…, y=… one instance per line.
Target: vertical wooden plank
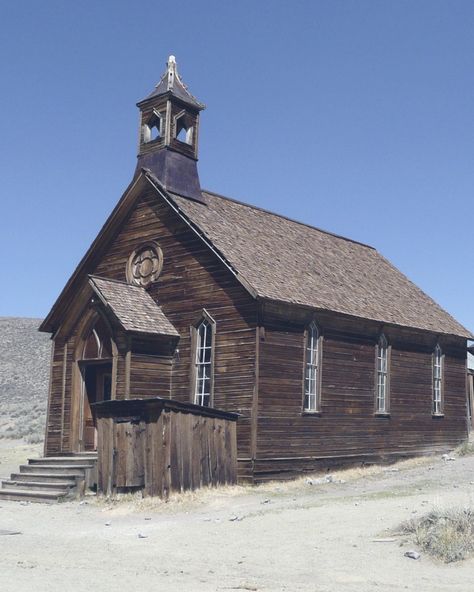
x=180, y=449
x=186, y=450
x=196, y=452
x=151, y=429
x=154, y=457
x=148, y=464
x=63, y=393
x=132, y=434
x=166, y=450
x=119, y=455
x=46, y=447
x=101, y=455
x=159, y=457
x=471, y=398
x=175, y=452
x=213, y=451
x=227, y=460
x=254, y=418
x=128, y=357
x=109, y=455
x=112, y=484
x=115, y=362
x=105, y=455
x=232, y=427
x=220, y=452
x=204, y=470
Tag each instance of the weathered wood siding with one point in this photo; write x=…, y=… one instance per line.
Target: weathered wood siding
x=192, y=279
x=159, y=450
x=150, y=376
x=59, y=426
x=55, y=398
x=258, y=370
x=347, y=427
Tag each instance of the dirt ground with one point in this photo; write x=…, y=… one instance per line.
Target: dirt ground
x=330, y=537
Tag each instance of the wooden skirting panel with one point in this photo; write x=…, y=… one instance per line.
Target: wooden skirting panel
x=290, y=468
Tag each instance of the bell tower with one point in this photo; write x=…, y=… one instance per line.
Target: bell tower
x=169, y=132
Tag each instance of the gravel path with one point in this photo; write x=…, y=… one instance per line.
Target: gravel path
x=330, y=537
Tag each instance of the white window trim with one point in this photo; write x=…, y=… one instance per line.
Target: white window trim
x=200, y=394
x=312, y=369
x=437, y=377
x=382, y=377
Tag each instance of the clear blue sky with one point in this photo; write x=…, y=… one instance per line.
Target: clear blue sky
x=354, y=116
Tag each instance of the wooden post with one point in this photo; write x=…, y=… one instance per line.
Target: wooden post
x=470, y=379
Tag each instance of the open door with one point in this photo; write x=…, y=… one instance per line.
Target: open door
x=96, y=374
x=97, y=377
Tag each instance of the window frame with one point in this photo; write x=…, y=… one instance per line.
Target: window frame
x=317, y=381
x=204, y=317
x=189, y=129
x=434, y=401
x=382, y=342
x=148, y=125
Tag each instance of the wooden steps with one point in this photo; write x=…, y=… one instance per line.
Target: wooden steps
x=63, y=486
x=17, y=495
x=51, y=479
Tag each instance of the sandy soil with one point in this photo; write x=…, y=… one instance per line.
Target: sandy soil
x=15, y=452
x=295, y=537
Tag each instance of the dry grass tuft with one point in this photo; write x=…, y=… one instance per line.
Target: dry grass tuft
x=465, y=449
x=213, y=496
x=343, y=475
x=135, y=502
x=445, y=534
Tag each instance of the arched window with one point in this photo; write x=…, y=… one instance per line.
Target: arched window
x=437, y=381
x=97, y=344
x=203, y=362
x=312, y=369
x=382, y=387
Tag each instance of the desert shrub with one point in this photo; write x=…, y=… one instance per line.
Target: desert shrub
x=465, y=449
x=35, y=438
x=445, y=534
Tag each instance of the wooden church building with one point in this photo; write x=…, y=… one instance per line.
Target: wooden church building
x=326, y=351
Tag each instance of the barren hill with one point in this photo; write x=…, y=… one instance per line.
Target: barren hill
x=24, y=374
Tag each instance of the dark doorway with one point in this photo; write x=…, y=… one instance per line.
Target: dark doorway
x=97, y=376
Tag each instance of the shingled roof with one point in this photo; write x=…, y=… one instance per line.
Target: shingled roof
x=172, y=83
x=288, y=261
x=133, y=307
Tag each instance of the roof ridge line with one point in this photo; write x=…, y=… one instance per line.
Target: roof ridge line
x=243, y=203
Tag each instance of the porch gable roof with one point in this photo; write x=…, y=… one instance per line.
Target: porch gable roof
x=133, y=307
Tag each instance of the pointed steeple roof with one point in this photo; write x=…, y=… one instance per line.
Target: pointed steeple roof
x=172, y=83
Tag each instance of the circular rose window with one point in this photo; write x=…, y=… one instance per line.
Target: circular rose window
x=144, y=265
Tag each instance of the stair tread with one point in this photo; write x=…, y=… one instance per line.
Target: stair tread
x=26, y=484
x=51, y=466
x=61, y=459
x=43, y=474
x=49, y=479
x=23, y=492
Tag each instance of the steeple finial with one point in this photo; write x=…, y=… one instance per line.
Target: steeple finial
x=172, y=71
x=171, y=82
